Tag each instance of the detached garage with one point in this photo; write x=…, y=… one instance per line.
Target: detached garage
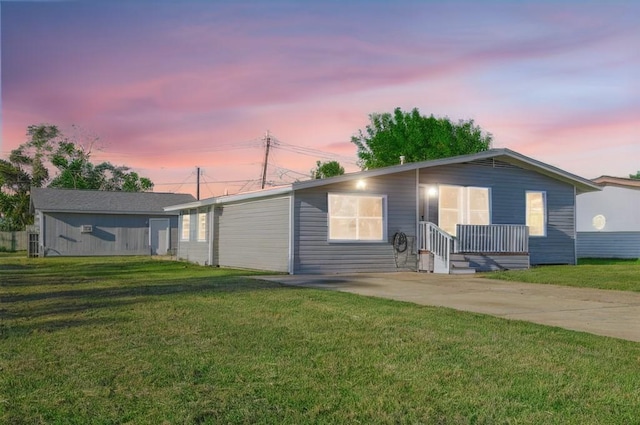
x=96, y=223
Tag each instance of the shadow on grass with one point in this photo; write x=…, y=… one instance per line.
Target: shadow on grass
x=27, y=312
x=21, y=276
x=173, y=286
x=47, y=326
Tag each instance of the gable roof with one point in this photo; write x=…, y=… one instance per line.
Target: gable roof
x=581, y=184
x=503, y=154
x=618, y=182
x=104, y=202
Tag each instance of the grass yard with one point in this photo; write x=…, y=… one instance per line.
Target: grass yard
x=133, y=340
x=622, y=275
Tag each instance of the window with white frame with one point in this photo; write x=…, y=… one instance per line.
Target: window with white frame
x=202, y=226
x=463, y=205
x=186, y=226
x=536, y=213
x=357, y=217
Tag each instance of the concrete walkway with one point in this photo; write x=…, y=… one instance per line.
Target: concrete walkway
x=601, y=312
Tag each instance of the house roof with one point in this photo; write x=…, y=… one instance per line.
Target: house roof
x=104, y=202
x=617, y=181
x=581, y=184
x=503, y=154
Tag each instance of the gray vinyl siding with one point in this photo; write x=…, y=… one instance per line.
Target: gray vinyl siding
x=313, y=253
x=508, y=185
x=194, y=250
x=253, y=234
x=608, y=244
x=494, y=262
x=113, y=234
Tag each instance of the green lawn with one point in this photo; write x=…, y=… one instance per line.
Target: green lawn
x=131, y=340
x=622, y=275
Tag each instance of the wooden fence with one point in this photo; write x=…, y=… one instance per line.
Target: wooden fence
x=13, y=241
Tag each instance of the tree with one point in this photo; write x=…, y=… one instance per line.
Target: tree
x=47, y=149
x=327, y=169
x=76, y=171
x=417, y=138
x=635, y=176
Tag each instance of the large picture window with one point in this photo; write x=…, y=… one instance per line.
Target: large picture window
x=186, y=227
x=537, y=213
x=357, y=217
x=463, y=205
x=202, y=226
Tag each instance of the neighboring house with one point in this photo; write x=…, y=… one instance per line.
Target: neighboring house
x=609, y=221
x=491, y=210
x=88, y=222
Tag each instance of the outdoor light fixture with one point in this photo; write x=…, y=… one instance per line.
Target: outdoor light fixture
x=599, y=222
x=361, y=184
x=432, y=191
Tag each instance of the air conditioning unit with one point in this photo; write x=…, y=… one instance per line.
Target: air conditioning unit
x=86, y=228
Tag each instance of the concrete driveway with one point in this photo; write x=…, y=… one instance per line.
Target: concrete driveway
x=601, y=312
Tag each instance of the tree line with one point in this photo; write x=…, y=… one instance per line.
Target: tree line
x=50, y=159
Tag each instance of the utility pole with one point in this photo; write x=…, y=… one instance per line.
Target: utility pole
x=198, y=183
x=266, y=159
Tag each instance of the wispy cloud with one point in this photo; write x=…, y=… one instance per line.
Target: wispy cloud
x=166, y=76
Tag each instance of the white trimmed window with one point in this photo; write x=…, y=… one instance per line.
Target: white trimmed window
x=202, y=226
x=537, y=213
x=463, y=205
x=357, y=218
x=186, y=226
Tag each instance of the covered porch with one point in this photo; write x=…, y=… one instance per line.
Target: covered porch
x=473, y=248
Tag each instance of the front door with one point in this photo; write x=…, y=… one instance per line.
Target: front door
x=159, y=231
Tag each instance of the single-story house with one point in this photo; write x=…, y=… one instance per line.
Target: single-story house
x=609, y=221
x=89, y=222
x=491, y=210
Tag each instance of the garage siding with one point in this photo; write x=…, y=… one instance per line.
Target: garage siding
x=253, y=235
x=111, y=234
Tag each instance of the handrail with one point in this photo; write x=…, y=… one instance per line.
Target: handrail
x=438, y=242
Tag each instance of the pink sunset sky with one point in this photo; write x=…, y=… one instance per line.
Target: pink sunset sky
x=167, y=86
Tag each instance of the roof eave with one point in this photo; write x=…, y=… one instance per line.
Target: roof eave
x=76, y=211
x=282, y=190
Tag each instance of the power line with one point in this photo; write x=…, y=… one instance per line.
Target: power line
x=303, y=150
x=214, y=148
x=182, y=184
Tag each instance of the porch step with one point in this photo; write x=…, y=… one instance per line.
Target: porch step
x=459, y=265
x=465, y=270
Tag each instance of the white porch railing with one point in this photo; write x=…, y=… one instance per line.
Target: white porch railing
x=492, y=238
x=438, y=242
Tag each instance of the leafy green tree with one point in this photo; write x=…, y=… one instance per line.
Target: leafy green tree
x=417, y=138
x=327, y=169
x=635, y=176
x=47, y=150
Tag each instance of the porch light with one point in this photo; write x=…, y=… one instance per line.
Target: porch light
x=432, y=191
x=361, y=184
